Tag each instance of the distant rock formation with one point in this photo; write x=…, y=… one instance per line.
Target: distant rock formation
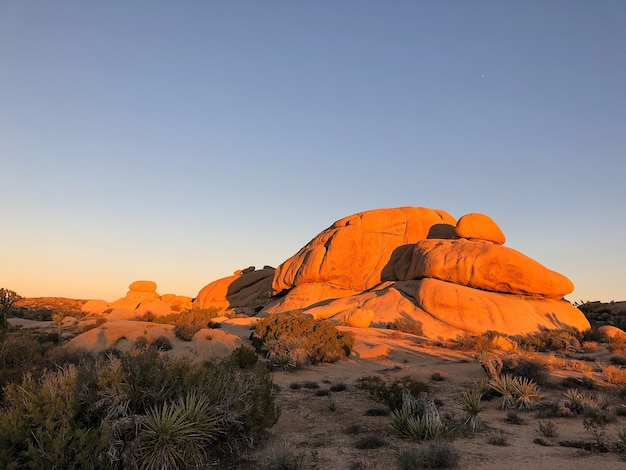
x=246, y=291
x=141, y=298
x=420, y=265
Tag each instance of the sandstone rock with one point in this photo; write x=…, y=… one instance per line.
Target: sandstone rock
x=96, y=307
x=178, y=302
x=155, y=307
x=143, y=286
x=609, y=332
x=481, y=227
x=477, y=311
x=247, y=289
x=352, y=253
x=485, y=266
x=359, y=318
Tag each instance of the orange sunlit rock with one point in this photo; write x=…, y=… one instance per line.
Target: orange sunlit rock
x=479, y=227
x=485, y=266
x=247, y=290
x=352, y=253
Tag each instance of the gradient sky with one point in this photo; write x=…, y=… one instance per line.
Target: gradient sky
x=180, y=141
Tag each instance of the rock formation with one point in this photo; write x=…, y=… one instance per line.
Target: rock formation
x=246, y=291
x=420, y=265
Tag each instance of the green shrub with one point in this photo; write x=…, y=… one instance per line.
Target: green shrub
x=301, y=339
x=391, y=393
x=519, y=366
x=243, y=357
x=568, y=340
x=161, y=343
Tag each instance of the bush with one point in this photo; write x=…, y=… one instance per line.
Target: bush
x=391, y=394
x=414, y=328
x=301, y=339
x=552, y=340
x=548, y=428
x=161, y=343
x=186, y=331
x=243, y=357
x=90, y=414
x=435, y=455
x=534, y=370
x=498, y=439
x=370, y=442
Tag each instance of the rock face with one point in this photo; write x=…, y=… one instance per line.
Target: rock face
x=350, y=256
x=246, y=291
x=419, y=265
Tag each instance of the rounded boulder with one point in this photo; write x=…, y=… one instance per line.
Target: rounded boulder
x=480, y=227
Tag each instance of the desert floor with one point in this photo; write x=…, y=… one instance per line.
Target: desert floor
x=325, y=429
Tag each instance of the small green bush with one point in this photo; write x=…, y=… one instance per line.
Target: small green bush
x=161, y=343
x=391, y=393
x=243, y=357
x=186, y=331
x=301, y=339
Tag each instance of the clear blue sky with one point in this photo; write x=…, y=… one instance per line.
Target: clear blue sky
x=180, y=141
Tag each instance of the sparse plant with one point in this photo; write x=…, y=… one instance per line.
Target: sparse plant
x=243, y=357
x=595, y=423
x=161, y=343
x=311, y=385
x=391, y=393
x=186, y=331
x=417, y=418
x=613, y=374
x=370, y=441
x=498, y=439
x=377, y=412
x=471, y=404
x=414, y=328
x=338, y=387
x=354, y=428
x=434, y=455
x=283, y=455
x=438, y=376
x=491, y=364
x=621, y=434
x=513, y=418
x=548, y=428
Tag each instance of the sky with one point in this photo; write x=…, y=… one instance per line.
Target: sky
x=181, y=141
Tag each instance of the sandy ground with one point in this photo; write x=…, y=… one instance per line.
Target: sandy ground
x=327, y=434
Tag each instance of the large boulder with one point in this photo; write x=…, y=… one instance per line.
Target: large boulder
x=486, y=266
x=479, y=227
x=477, y=311
x=246, y=289
x=352, y=253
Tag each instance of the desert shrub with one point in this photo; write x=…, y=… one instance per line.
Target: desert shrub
x=377, y=412
x=434, y=455
x=513, y=418
x=161, y=343
x=551, y=340
x=548, y=428
x=617, y=344
x=370, y=442
x=391, y=393
x=338, y=387
x=614, y=375
x=414, y=328
x=322, y=392
x=283, y=455
x=519, y=366
x=483, y=342
x=517, y=392
x=595, y=423
x=243, y=357
x=498, y=439
x=579, y=382
x=354, y=428
x=186, y=331
x=302, y=339
x=618, y=360
x=438, y=376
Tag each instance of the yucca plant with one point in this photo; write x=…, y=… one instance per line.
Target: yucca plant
x=621, y=434
x=175, y=435
x=526, y=393
x=423, y=428
x=503, y=385
x=471, y=404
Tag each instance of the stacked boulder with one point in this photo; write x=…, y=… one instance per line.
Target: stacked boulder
x=141, y=298
x=420, y=265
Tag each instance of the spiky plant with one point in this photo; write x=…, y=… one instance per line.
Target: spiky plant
x=491, y=364
x=423, y=428
x=471, y=404
x=621, y=434
x=526, y=393
x=503, y=385
x=175, y=435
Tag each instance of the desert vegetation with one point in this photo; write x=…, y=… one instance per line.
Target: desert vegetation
x=66, y=407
